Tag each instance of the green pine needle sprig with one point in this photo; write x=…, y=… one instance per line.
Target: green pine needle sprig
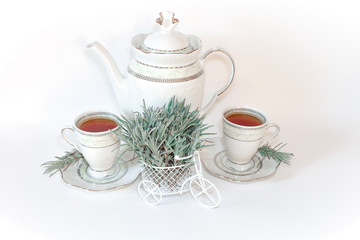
x=62, y=163
x=273, y=152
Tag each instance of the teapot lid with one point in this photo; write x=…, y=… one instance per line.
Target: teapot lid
x=166, y=39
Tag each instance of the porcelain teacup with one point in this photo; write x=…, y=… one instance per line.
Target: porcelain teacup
x=245, y=130
x=100, y=148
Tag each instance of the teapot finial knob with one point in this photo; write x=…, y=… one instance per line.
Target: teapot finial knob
x=167, y=20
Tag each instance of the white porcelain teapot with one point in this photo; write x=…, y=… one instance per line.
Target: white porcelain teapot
x=166, y=63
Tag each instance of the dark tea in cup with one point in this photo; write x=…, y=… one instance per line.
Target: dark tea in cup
x=244, y=119
x=97, y=125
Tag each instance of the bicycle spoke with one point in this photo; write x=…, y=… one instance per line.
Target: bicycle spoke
x=145, y=197
x=199, y=184
x=211, y=199
x=200, y=193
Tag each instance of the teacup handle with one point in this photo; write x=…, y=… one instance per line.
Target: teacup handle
x=226, y=86
x=67, y=139
x=270, y=138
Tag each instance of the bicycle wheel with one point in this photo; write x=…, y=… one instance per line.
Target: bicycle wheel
x=205, y=192
x=149, y=192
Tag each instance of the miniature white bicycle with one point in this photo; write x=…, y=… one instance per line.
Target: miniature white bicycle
x=202, y=190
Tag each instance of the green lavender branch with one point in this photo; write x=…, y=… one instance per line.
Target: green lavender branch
x=267, y=151
x=62, y=163
x=158, y=134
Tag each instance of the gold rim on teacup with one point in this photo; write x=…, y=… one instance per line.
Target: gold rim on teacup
x=249, y=111
x=93, y=115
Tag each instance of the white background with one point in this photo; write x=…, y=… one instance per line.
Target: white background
x=298, y=61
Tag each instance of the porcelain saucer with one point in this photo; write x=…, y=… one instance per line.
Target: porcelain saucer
x=216, y=163
x=222, y=162
x=127, y=171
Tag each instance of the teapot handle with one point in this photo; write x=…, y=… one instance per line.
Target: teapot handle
x=228, y=83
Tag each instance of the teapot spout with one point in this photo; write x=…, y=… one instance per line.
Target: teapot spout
x=117, y=79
